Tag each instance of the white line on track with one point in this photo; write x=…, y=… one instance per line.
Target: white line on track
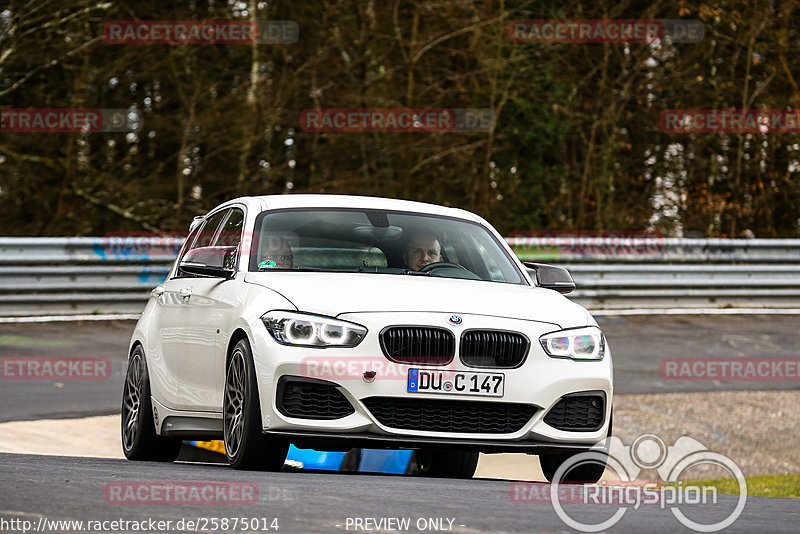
x=700, y=311
x=56, y=318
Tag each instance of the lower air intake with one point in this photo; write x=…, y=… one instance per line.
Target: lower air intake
x=311, y=399
x=582, y=412
x=450, y=416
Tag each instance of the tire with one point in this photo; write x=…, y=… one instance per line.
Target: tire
x=587, y=473
x=246, y=445
x=446, y=463
x=139, y=438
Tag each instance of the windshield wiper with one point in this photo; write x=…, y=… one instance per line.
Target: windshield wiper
x=375, y=270
x=305, y=269
x=388, y=270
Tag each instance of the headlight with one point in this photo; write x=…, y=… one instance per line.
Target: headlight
x=308, y=330
x=578, y=343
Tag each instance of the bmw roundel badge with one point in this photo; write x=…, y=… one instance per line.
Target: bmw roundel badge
x=455, y=319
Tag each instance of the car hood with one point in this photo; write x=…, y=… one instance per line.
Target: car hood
x=334, y=294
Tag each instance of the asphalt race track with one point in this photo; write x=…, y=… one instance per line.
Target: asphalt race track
x=638, y=342
x=47, y=399
x=67, y=488
x=308, y=502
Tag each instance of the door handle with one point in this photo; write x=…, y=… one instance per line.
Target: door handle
x=186, y=292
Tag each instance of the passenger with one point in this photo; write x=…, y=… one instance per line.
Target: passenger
x=277, y=256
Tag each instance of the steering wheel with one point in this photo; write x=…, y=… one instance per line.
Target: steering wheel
x=432, y=266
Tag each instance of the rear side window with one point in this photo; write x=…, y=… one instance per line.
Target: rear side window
x=207, y=232
x=231, y=233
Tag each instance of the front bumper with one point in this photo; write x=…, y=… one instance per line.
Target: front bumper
x=541, y=382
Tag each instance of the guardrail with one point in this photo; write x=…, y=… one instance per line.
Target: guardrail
x=115, y=275
x=583, y=249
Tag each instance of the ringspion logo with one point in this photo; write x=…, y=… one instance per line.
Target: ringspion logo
x=646, y=452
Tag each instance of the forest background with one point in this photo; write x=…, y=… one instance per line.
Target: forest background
x=577, y=144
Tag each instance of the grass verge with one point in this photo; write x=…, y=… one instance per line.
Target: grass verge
x=787, y=486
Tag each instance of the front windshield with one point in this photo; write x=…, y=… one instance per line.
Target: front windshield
x=379, y=242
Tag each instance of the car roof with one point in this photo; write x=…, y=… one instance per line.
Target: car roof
x=272, y=202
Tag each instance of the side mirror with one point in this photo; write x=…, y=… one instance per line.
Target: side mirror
x=218, y=262
x=551, y=277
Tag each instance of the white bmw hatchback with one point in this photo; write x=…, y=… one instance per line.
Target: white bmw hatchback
x=334, y=322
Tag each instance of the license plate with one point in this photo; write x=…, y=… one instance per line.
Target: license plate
x=455, y=382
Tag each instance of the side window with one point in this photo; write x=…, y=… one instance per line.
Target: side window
x=231, y=233
x=206, y=235
x=202, y=237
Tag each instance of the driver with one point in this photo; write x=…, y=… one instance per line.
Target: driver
x=421, y=250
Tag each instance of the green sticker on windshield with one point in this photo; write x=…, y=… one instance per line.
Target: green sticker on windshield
x=267, y=264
